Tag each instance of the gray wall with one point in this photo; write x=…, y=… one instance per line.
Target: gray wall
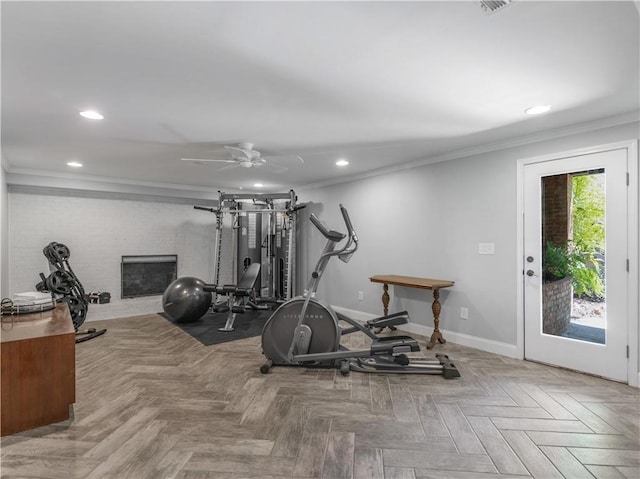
x=4, y=235
x=427, y=222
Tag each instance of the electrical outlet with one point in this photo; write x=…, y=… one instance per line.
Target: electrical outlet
x=464, y=313
x=486, y=248
x=360, y=296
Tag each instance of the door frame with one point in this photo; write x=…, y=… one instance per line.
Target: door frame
x=633, y=307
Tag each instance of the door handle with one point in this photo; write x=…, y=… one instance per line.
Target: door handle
x=531, y=273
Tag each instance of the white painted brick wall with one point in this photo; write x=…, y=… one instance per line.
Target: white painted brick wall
x=99, y=232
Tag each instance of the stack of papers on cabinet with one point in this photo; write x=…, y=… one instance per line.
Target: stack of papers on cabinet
x=32, y=297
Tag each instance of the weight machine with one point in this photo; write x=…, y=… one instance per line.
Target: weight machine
x=64, y=286
x=263, y=230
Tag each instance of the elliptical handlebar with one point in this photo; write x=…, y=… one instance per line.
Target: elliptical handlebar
x=352, y=245
x=347, y=221
x=331, y=235
x=335, y=236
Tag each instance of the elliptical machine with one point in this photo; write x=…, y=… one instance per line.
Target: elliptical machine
x=305, y=331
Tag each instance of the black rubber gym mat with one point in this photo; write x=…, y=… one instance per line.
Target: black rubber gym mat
x=205, y=330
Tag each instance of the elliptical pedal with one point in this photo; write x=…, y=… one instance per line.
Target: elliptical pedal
x=389, y=320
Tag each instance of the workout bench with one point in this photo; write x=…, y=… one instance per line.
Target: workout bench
x=236, y=294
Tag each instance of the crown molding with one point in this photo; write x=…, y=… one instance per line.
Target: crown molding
x=46, y=181
x=602, y=123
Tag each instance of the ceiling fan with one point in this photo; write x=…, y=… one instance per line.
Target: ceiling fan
x=242, y=155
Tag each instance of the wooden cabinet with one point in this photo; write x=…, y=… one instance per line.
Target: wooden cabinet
x=38, y=369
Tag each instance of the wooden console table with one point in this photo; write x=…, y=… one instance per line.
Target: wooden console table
x=421, y=283
x=38, y=369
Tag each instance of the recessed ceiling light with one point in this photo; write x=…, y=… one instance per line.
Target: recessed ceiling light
x=258, y=185
x=536, y=110
x=342, y=162
x=91, y=115
x=74, y=164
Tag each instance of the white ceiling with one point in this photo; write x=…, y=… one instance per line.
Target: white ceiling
x=382, y=84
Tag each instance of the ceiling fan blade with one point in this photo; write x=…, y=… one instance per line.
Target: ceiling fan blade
x=247, y=153
x=237, y=148
x=286, y=157
x=206, y=160
x=228, y=167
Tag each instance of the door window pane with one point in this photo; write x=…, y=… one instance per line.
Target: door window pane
x=574, y=252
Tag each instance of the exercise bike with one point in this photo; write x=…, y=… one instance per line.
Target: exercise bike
x=306, y=332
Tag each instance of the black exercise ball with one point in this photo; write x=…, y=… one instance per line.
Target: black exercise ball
x=185, y=300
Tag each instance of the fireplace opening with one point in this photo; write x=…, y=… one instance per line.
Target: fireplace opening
x=148, y=275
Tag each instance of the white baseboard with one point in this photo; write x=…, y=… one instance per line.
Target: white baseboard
x=482, y=344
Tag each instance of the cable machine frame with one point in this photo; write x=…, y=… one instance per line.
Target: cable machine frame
x=271, y=217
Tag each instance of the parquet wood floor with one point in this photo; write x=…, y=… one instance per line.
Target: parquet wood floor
x=152, y=402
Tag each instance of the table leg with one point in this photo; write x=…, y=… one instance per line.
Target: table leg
x=385, y=306
x=385, y=298
x=437, y=335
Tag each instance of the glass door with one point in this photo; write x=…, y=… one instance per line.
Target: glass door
x=575, y=281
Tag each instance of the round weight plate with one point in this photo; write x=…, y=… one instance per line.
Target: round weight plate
x=77, y=309
x=48, y=253
x=59, y=282
x=62, y=251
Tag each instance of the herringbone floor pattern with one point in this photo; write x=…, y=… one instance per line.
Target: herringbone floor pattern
x=152, y=402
